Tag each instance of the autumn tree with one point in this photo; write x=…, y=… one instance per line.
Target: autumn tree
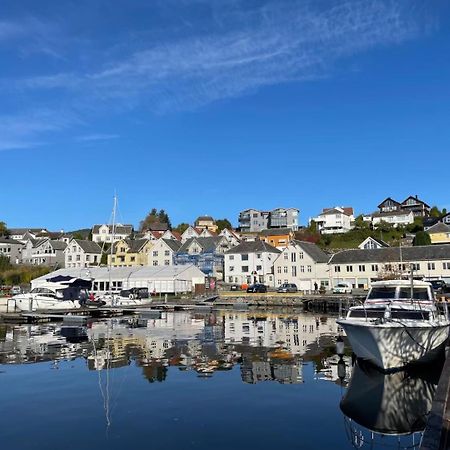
x=154, y=217
x=181, y=228
x=3, y=229
x=222, y=224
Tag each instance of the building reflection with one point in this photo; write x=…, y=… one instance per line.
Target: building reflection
x=266, y=346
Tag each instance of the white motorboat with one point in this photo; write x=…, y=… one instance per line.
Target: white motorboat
x=60, y=293
x=398, y=324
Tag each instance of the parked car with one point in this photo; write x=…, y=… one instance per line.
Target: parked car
x=287, y=287
x=257, y=288
x=135, y=293
x=15, y=290
x=342, y=288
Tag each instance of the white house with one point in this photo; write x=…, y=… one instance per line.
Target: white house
x=304, y=264
x=21, y=234
x=80, y=253
x=335, y=220
x=190, y=233
x=104, y=233
x=395, y=218
x=231, y=236
x=371, y=243
x=162, y=252
x=250, y=262
x=360, y=267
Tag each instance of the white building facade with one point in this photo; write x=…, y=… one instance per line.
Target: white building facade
x=80, y=253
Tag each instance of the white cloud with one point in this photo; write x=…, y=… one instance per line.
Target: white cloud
x=97, y=137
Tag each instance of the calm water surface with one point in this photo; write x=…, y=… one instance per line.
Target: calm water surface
x=220, y=380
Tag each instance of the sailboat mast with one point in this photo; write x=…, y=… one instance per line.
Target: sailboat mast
x=113, y=232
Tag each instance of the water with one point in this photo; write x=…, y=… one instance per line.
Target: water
x=221, y=380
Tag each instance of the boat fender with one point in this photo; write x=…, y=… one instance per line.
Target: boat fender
x=131, y=296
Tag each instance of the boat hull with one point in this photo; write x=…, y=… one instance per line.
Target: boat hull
x=27, y=304
x=393, y=345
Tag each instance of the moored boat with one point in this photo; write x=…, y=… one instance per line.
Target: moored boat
x=398, y=324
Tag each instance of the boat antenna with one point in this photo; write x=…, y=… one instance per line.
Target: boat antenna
x=401, y=260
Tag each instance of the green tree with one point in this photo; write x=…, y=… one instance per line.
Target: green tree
x=3, y=229
x=4, y=263
x=222, y=224
x=416, y=226
x=361, y=224
x=383, y=226
x=154, y=216
x=422, y=238
x=434, y=212
x=312, y=227
x=181, y=228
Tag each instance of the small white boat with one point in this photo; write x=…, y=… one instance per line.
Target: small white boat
x=398, y=324
x=61, y=293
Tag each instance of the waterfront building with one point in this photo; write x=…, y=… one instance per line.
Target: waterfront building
x=304, y=264
x=130, y=252
x=439, y=233
x=335, y=220
x=371, y=243
x=360, y=267
x=162, y=252
x=161, y=279
x=11, y=249
x=82, y=253
x=277, y=237
x=207, y=253
x=206, y=223
x=104, y=233
x=250, y=262
x=253, y=220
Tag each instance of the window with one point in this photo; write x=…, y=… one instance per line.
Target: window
x=69, y=258
x=279, y=269
x=155, y=263
x=337, y=268
x=431, y=266
x=415, y=266
x=231, y=257
x=446, y=265
x=362, y=268
x=78, y=258
x=302, y=269
x=258, y=267
x=155, y=253
x=166, y=262
x=285, y=269
x=244, y=269
x=309, y=269
x=87, y=258
x=294, y=271
x=95, y=258
x=258, y=255
x=132, y=258
x=166, y=253
x=286, y=256
x=300, y=255
x=231, y=269
x=374, y=267
x=244, y=257
x=349, y=268
x=293, y=257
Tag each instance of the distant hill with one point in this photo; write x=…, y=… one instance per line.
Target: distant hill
x=82, y=233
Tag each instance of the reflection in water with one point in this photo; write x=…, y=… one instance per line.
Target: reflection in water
x=396, y=404
x=267, y=346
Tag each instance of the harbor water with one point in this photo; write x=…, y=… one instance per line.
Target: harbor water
x=222, y=379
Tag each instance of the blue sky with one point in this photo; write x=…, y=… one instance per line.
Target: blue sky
x=214, y=106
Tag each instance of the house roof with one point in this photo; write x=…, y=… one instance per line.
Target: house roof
x=58, y=245
x=386, y=200
x=204, y=218
x=276, y=232
x=315, y=252
x=392, y=254
x=379, y=241
x=253, y=247
x=173, y=244
x=88, y=246
x=347, y=210
x=10, y=241
x=208, y=244
x=416, y=199
x=439, y=227
x=119, y=229
x=391, y=213
x=158, y=226
x=176, y=235
x=24, y=230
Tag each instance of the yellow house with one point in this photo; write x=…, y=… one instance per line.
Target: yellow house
x=128, y=252
x=277, y=237
x=439, y=233
x=206, y=223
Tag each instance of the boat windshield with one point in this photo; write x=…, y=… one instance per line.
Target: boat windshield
x=418, y=293
x=384, y=292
